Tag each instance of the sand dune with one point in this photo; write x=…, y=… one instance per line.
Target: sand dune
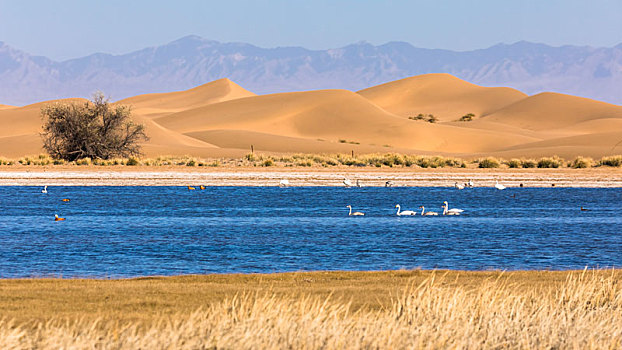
x=221, y=119
x=333, y=115
x=154, y=105
x=551, y=111
x=442, y=95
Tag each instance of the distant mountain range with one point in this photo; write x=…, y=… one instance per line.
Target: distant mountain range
x=191, y=61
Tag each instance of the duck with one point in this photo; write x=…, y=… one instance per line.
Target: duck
x=190, y=188
x=447, y=211
x=65, y=199
x=405, y=212
x=356, y=213
x=56, y=218
x=202, y=187
x=429, y=213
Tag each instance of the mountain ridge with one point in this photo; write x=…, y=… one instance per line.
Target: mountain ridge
x=190, y=61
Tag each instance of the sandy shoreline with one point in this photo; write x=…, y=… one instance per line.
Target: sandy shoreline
x=176, y=176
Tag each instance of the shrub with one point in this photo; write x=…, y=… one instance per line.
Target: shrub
x=132, y=161
x=467, y=117
x=83, y=161
x=430, y=118
x=550, y=162
x=268, y=162
x=529, y=163
x=581, y=162
x=514, y=163
x=94, y=129
x=489, y=162
x=615, y=161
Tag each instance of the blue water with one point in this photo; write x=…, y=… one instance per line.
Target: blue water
x=138, y=231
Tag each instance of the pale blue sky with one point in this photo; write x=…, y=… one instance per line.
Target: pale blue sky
x=73, y=28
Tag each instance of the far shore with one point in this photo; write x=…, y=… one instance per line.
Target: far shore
x=59, y=175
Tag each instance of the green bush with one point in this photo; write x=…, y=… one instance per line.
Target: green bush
x=581, y=162
x=615, y=161
x=467, y=117
x=550, y=162
x=132, y=161
x=529, y=163
x=514, y=163
x=268, y=162
x=430, y=118
x=489, y=162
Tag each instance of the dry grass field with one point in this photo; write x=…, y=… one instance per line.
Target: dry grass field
x=318, y=310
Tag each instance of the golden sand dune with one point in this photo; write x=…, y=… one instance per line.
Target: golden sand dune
x=6, y=107
x=334, y=115
x=443, y=95
x=154, y=105
x=550, y=111
x=221, y=119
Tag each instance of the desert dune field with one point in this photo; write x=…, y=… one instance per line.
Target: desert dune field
x=222, y=119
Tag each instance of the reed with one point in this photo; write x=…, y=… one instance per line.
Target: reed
x=580, y=312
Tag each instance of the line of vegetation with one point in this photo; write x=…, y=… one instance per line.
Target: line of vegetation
x=326, y=160
x=433, y=312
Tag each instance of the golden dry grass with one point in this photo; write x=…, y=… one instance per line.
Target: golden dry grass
x=377, y=160
x=325, y=310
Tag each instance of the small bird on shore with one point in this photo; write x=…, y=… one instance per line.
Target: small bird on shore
x=56, y=218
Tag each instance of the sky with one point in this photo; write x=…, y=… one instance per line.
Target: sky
x=73, y=28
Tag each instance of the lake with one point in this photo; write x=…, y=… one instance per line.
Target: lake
x=113, y=232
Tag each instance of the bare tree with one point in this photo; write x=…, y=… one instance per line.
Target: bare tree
x=95, y=129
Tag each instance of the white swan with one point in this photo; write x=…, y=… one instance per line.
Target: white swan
x=284, y=183
x=460, y=187
x=470, y=184
x=424, y=213
x=405, y=212
x=347, y=182
x=499, y=186
x=44, y=190
x=447, y=211
x=356, y=213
